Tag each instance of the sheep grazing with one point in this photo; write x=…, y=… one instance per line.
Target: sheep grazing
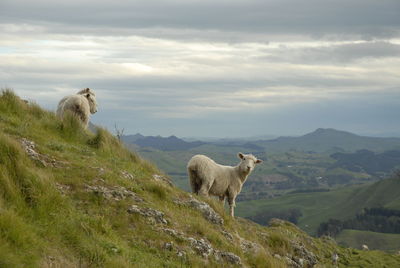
x=81, y=104
x=209, y=178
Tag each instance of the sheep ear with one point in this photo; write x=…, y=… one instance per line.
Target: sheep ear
x=87, y=89
x=259, y=161
x=240, y=155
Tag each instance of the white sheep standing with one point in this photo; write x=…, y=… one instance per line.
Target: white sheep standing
x=82, y=104
x=209, y=178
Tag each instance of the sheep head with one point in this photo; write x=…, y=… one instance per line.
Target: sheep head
x=92, y=102
x=86, y=91
x=248, y=162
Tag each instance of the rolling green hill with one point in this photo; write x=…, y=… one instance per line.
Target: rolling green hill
x=71, y=198
x=317, y=207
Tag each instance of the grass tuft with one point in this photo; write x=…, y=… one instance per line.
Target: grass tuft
x=158, y=190
x=70, y=127
x=11, y=103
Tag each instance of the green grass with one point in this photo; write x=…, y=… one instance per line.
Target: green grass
x=42, y=225
x=382, y=241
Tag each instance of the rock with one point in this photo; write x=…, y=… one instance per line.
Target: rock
x=264, y=236
x=291, y=263
x=202, y=247
x=174, y=233
x=45, y=160
x=181, y=253
x=230, y=257
x=207, y=211
x=278, y=256
x=127, y=175
x=248, y=246
x=303, y=256
x=116, y=193
x=228, y=235
x=168, y=246
x=162, y=178
x=64, y=189
x=155, y=216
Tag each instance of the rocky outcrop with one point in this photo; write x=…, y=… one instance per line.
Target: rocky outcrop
x=227, y=235
x=62, y=188
x=126, y=175
x=229, y=257
x=302, y=256
x=174, y=233
x=202, y=247
x=44, y=160
x=248, y=246
x=162, y=179
x=207, y=211
x=116, y=193
x=154, y=216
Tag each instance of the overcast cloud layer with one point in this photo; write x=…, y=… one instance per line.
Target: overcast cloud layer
x=211, y=68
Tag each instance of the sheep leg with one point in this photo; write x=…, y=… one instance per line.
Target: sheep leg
x=205, y=188
x=222, y=199
x=232, y=204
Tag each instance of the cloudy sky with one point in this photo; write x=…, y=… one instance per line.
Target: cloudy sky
x=225, y=68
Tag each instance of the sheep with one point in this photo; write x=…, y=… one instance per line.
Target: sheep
x=81, y=104
x=209, y=178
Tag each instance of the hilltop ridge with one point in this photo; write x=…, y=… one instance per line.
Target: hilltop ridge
x=71, y=198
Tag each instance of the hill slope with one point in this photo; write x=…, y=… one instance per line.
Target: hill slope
x=69, y=198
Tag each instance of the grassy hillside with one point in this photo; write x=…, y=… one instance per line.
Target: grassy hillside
x=70, y=198
x=337, y=204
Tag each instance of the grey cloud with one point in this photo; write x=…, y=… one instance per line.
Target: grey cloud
x=363, y=113
x=197, y=69
x=351, y=52
x=367, y=18
x=333, y=53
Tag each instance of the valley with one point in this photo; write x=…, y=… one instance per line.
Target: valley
x=326, y=174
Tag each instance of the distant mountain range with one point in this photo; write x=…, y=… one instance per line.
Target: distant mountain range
x=171, y=143
x=321, y=140
x=329, y=140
